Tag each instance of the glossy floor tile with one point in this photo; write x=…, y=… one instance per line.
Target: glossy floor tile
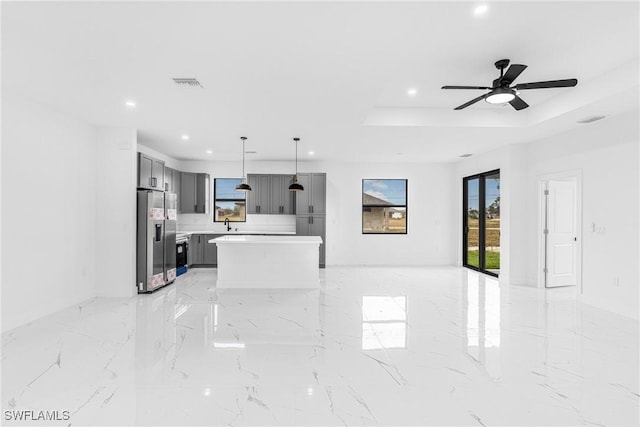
x=373, y=346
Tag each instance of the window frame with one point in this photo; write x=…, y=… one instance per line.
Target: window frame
x=405, y=206
x=215, y=200
x=481, y=177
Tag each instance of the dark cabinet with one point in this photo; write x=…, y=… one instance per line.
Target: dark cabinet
x=196, y=252
x=312, y=199
x=258, y=199
x=210, y=256
x=150, y=173
x=312, y=225
x=311, y=208
x=282, y=200
x=194, y=192
x=202, y=252
x=171, y=180
x=270, y=194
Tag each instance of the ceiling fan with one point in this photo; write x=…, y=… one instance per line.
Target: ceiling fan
x=502, y=92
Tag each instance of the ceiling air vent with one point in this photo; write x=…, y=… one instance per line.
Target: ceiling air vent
x=466, y=155
x=591, y=119
x=187, y=82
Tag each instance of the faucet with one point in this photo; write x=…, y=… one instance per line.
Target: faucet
x=227, y=223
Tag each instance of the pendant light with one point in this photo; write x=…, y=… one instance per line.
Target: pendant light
x=296, y=186
x=243, y=186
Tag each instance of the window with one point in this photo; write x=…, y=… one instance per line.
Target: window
x=384, y=206
x=481, y=222
x=228, y=203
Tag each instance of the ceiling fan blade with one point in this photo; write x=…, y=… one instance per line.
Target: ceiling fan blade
x=473, y=101
x=512, y=73
x=547, y=84
x=518, y=103
x=466, y=87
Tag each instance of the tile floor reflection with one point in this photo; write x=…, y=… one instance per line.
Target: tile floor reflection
x=373, y=346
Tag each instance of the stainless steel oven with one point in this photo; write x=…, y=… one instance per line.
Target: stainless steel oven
x=182, y=253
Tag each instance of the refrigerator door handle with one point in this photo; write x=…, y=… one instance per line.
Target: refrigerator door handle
x=158, y=236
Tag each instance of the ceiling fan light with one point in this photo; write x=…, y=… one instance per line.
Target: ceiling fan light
x=500, y=96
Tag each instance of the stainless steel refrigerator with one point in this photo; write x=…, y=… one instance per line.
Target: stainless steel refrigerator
x=156, y=240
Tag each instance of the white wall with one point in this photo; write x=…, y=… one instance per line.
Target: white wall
x=431, y=220
x=49, y=216
x=115, y=245
x=606, y=153
x=68, y=223
x=606, y=156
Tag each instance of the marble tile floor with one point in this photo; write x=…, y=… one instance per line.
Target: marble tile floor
x=373, y=346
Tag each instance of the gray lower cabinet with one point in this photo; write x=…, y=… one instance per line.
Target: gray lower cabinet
x=313, y=225
x=312, y=199
x=196, y=250
x=150, y=172
x=203, y=253
x=210, y=250
x=194, y=192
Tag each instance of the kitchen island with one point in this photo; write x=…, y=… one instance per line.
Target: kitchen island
x=246, y=261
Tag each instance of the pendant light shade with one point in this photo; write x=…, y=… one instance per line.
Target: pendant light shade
x=243, y=186
x=296, y=186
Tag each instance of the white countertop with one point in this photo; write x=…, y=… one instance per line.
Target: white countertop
x=240, y=232
x=267, y=240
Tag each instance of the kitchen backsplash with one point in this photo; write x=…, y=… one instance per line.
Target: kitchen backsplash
x=255, y=223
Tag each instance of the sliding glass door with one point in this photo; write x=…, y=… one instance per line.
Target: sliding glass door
x=481, y=224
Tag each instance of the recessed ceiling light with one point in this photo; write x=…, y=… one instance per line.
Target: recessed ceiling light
x=209, y=151
x=130, y=104
x=311, y=153
x=185, y=137
x=412, y=92
x=480, y=10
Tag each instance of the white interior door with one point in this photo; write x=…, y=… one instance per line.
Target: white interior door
x=561, y=231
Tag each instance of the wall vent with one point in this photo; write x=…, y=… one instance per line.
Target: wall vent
x=591, y=119
x=187, y=82
x=251, y=152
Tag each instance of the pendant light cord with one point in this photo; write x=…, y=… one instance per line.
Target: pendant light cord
x=244, y=179
x=296, y=141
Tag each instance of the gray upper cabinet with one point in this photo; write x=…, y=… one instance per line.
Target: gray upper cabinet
x=312, y=199
x=172, y=182
x=202, y=192
x=188, y=192
x=282, y=200
x=150, y=173
x=269, y=194
x=194, y=192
